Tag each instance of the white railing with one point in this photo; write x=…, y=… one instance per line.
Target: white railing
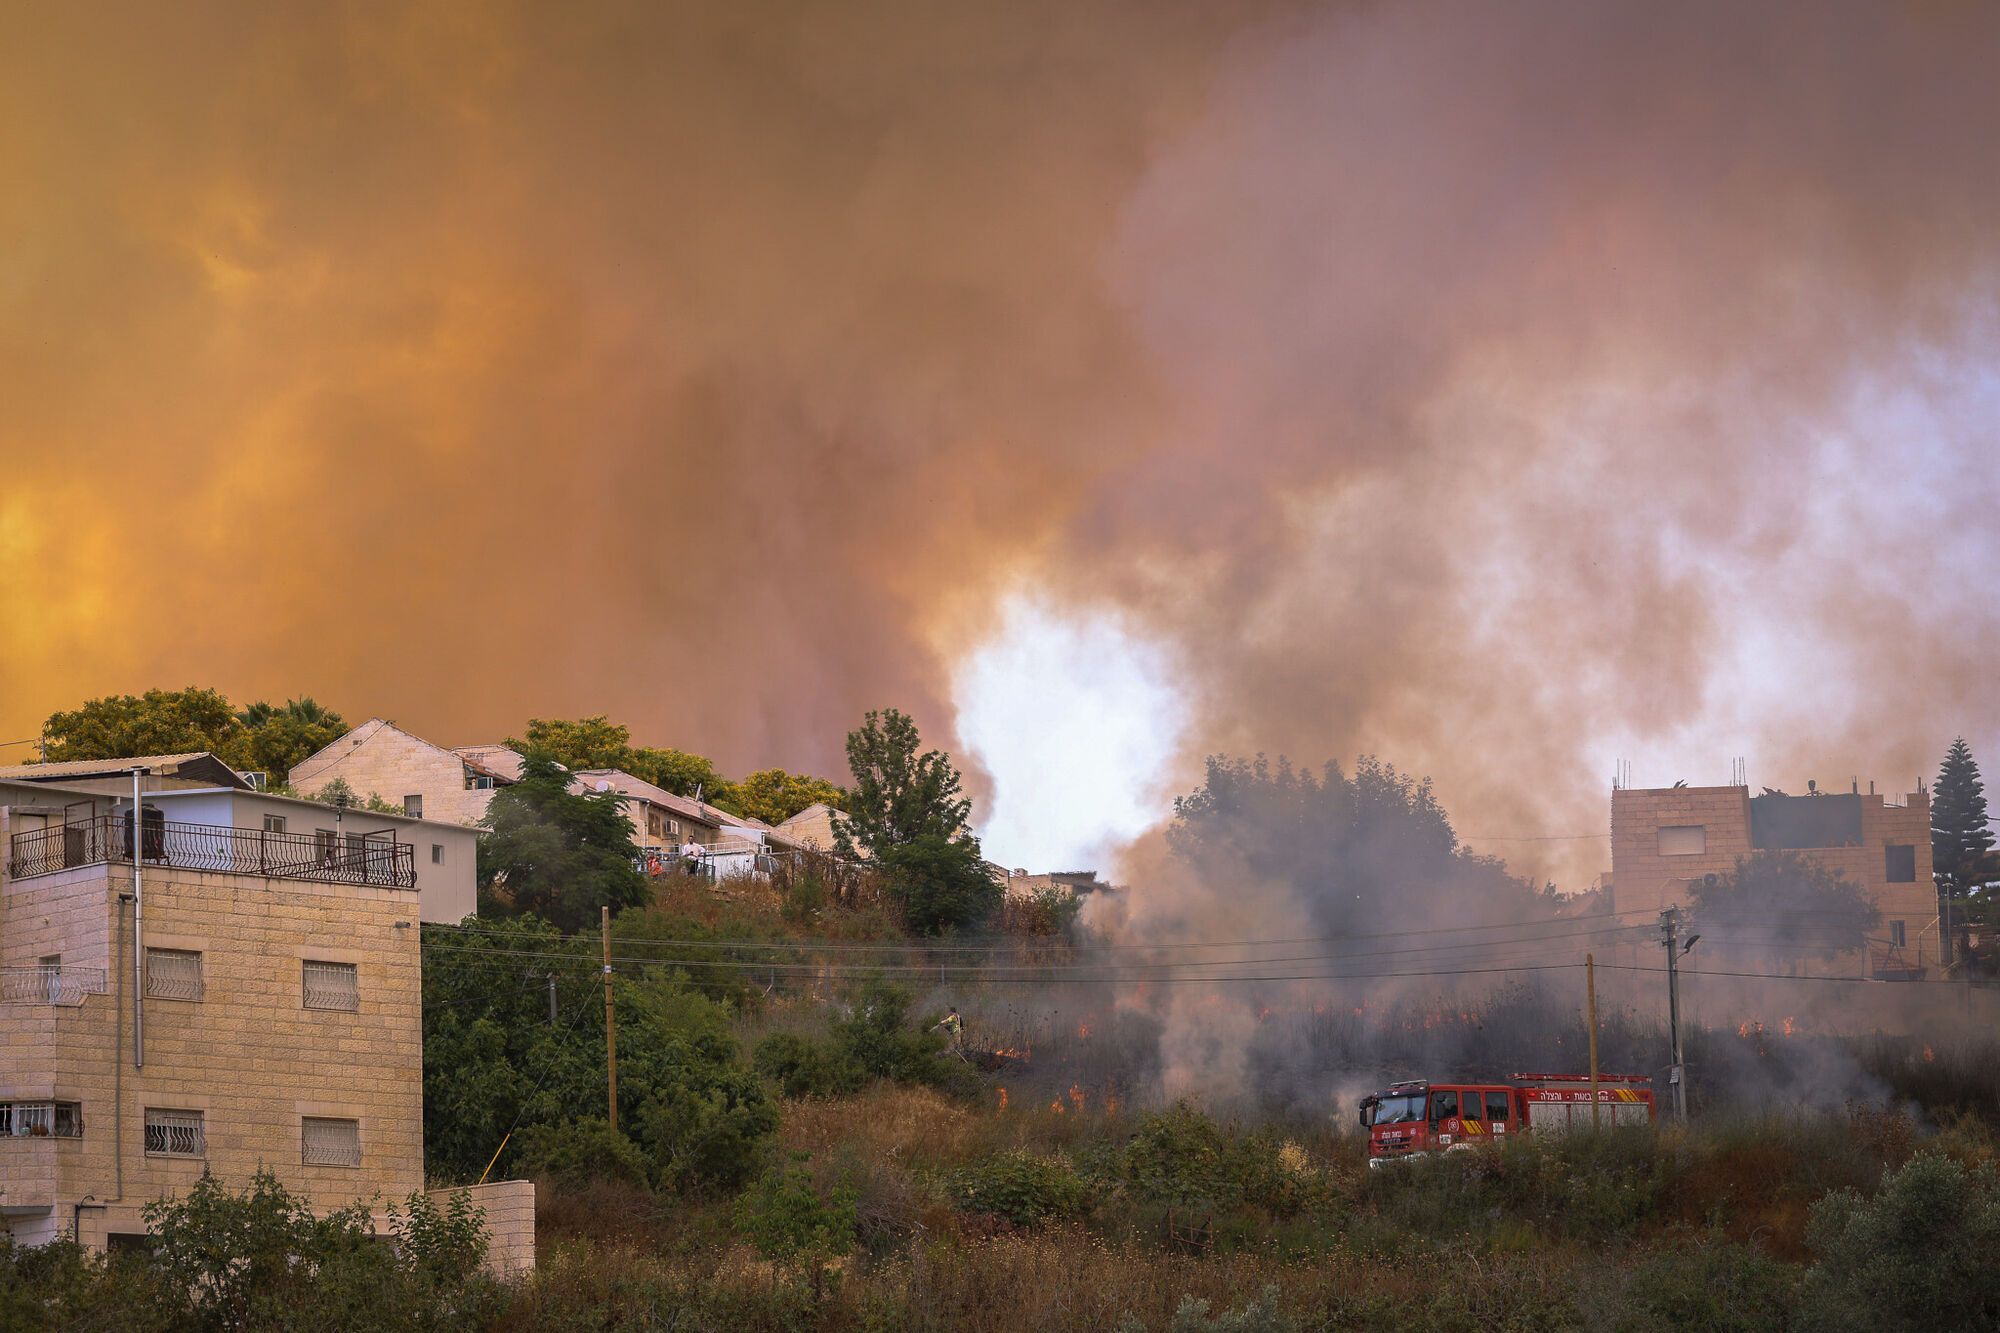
x=332, y=986
x=50, y=985
x=175, y=1134
x=24, y=1120
x=330, y=1142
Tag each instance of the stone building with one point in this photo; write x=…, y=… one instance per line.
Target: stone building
x=1665, y=840
x=181, y=992
x=378, y=758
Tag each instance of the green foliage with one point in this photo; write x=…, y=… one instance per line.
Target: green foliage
x=940, y=884
x=802, y=1067
x=1259, y=1316
x=790, y=1221
x=1022, y=1187
x=696, y=1118
x=579, y=1153
x=336, y=792
x=1920, y=1254
x=1783, y=902
x=1047, y=912
x=1713, y=1285
x=556, y=853
x=1352, y=851
x=156, y=722
x=598, y=742
x=1961, y=839
x=876, y=1039
x=262, y=736
x=899, y=795
x=264, y=1259
x=1182, y=1157
x=773, y=795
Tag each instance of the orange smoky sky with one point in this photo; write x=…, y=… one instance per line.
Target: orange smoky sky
x=1501, y=389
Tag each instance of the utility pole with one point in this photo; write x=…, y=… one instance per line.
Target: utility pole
x=1670, y=929
x=552, y=999
x=610, y=1021
x=1590, y=995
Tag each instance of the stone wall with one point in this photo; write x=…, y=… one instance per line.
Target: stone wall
x=509, y=1213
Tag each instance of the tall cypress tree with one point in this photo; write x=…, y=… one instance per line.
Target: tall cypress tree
x=1960, y=838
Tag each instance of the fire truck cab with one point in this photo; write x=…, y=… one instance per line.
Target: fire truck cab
x=1417, y=1117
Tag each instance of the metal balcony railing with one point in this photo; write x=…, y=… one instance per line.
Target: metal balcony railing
x=50, y=985
x=350, y=858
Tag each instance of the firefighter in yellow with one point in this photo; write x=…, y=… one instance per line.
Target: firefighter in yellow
x=953, y=1027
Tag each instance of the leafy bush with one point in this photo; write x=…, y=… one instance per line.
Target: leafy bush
x=584, y=1151
x=1259, y=1316
x=1184, y=1158
x=1023, y=1188
x=793, y=1224
x=1714, y=1285
x=805, y=1068
x=1920, y=1254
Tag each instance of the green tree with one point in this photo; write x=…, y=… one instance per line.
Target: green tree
x=773, y=795
x=275, y=738
x=1780, y=902
x=794, y=1225
x=1917, y=1255
x=156, y=722
x=1961, y=839
x=576, y=743
x=684, y=774
x=556, y=853
x=899, y=794
x=941, y=884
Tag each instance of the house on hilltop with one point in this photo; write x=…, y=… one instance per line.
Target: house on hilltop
x=427, y=780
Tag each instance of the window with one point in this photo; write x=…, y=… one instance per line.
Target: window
x=413, y=806
x=325, y=1142
x=1897, y=935
x=51, y=987
x=1899, y=863
x=437, y=853
x=175, y=1134
x=58, y=1120
x=327, y=844
x=331, y=986
x=1683, y=839
x=274, y=823
x=173, y=974
x=1496, y=1107
x=1444, y=1105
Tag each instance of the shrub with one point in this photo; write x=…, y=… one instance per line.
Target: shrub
x=581, y=1153
x=1023, y=1188
x=1918, y=1255
x=1715, y=1285
x=802, y=1067
x=793, y=1224
x=1259, y=1316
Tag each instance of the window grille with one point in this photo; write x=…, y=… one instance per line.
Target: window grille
x=332, y=986
x=330, y=1142
x=175, y=1134
x=21, y=1120
x=173, y=974
x=274, y=823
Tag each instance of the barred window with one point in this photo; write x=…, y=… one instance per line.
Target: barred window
x=326, y=1142
x=22, y=1120
x=332, y=986
x=173, y=974
x=274, y=823
x=175, y=1134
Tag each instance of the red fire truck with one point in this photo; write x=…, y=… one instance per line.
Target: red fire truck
x=1417, y=1117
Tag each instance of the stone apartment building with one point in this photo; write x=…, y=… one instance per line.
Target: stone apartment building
x=427, y=780
x=1666, y=839
x=193, y=990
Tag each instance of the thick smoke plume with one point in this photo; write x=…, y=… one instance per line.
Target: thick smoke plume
x=1500, y=388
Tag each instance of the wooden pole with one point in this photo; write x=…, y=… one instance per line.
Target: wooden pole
x=610, y=1022
x=1590, y=994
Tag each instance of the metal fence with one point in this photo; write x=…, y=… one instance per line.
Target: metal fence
x=50, y=985
x=339, y=858
x=175, y=1134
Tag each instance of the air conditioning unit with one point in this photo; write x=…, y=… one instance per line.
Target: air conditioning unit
x=258, y=780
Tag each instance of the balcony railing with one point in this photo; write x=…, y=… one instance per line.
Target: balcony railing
x=351, y=858
x=50, y=985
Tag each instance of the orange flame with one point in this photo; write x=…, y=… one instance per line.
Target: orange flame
x=1056, y=1106
x=1003, y=1099
x=1790, y=1026
x=1076, y=1097
x=1083, y=1031
x=1929, y=1054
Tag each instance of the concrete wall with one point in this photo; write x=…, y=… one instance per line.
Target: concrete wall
x=508, y=1210
x=248, y=1054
